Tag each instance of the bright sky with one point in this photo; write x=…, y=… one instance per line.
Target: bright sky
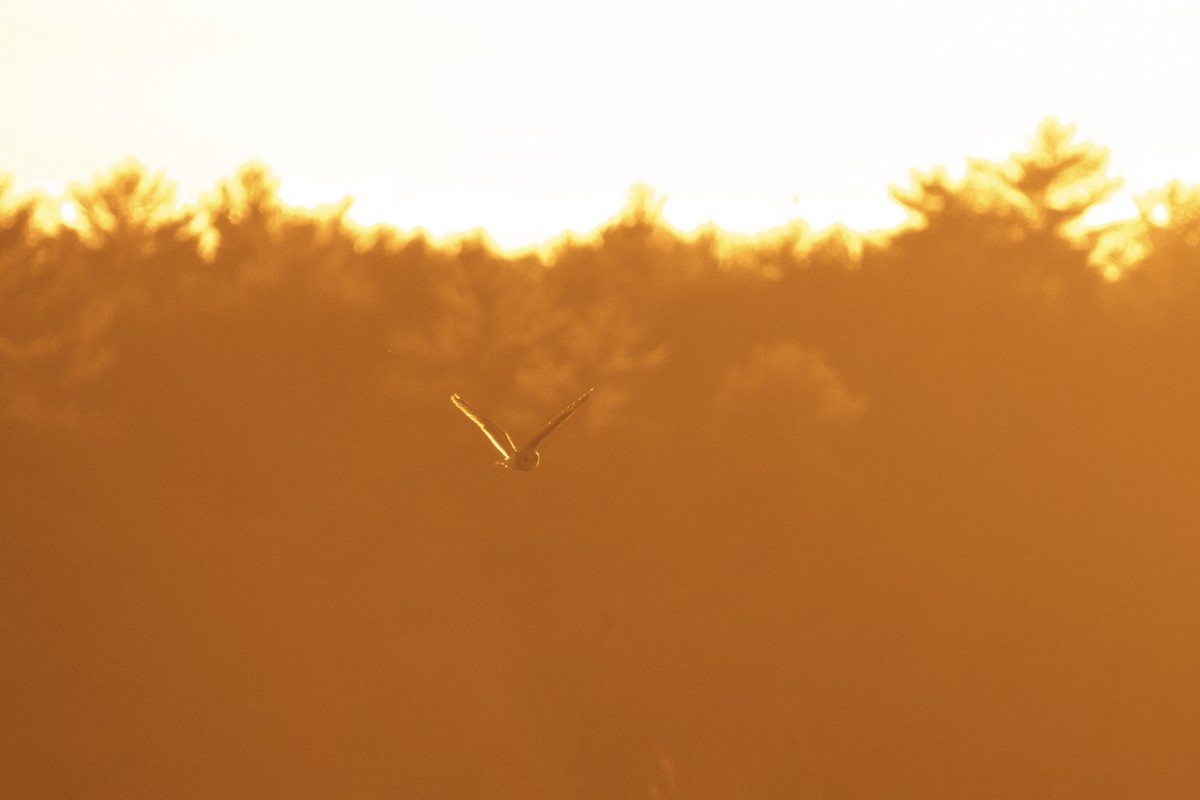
x=529, y=117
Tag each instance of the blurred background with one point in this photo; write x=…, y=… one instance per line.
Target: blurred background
x=882, y=493
x=903, y=515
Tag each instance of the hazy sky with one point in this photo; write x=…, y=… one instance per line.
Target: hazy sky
x=530, y=116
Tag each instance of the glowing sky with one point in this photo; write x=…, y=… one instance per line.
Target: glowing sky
x=531, y=116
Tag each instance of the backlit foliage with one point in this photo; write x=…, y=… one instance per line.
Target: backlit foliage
x=910, y=515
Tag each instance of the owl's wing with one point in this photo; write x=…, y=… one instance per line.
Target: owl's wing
x=559, y=419
x=494, y=432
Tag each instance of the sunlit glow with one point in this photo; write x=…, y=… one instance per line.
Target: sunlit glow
x=1120, y=208
x=528, y=125
x=513, y=219
x=516, y=220
x=848, y=515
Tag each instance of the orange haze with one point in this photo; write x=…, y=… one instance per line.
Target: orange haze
x=905, y=516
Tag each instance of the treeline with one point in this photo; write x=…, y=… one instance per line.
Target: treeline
x=910, y=514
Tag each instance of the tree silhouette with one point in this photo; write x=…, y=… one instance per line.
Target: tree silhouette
x=911, y=499
x=1167, y=232
x=129, y=213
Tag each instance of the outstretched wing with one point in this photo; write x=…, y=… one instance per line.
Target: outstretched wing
x=503, y=442
x=558, y=420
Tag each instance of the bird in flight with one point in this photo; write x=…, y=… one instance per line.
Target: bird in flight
x=522, y=458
